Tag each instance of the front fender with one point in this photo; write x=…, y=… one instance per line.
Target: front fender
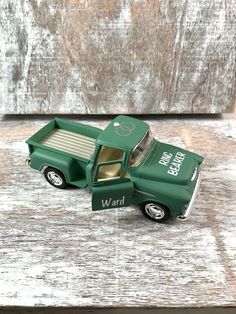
x=173, y=196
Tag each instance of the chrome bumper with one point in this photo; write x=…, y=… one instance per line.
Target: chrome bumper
x=28, y=160
x=191, y=203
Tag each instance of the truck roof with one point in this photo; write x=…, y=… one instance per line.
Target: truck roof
x=123, y=132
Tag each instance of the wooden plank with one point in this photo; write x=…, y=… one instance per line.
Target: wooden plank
x=56, y=252
x=119, y=56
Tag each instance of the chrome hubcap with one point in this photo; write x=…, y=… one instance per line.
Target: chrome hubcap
x=154, y=211
x=54, y=178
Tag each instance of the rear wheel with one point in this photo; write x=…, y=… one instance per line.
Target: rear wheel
x=155, y=211
x=55, y=178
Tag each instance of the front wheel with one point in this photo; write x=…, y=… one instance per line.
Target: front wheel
x=155, y=211
x=55, y=178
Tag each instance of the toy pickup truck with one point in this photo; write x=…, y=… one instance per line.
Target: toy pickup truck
x=122, y=164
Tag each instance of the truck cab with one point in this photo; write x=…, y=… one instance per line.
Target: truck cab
x=131, y=167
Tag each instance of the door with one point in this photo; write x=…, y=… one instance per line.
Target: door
x=110, y=189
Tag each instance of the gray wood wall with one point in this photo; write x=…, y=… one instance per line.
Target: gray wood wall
x=129, y=56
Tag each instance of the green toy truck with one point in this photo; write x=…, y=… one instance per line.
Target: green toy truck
x=122, y=165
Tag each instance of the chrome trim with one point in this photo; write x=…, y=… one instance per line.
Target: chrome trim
x=195, y=173
x=133, y=149
x=191, y=203
x=145, y=193
x=28, y=160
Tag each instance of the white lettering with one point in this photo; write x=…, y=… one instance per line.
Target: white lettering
x=176, y=164
x=122, y=201
x=173, y=172
x=113, y=203
x=180, y=154
x=165, y=158
x=106, y=203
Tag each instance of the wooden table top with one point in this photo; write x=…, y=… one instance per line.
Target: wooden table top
x=55, y=251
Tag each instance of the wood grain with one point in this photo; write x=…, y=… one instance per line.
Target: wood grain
x=55, y=251
x=119, y=56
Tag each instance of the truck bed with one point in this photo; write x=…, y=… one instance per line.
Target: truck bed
x=66, y=136
x=70, y=142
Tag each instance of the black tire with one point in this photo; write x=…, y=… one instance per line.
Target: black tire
x=55, y=178
x=155, y=211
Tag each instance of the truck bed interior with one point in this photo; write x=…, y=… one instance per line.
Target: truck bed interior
x=70, y=142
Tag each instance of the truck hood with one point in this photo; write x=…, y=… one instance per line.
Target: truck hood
x=170, y=164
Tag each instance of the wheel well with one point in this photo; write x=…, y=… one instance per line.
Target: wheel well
x=159, y=203
x=150, y=201
x=44, y=168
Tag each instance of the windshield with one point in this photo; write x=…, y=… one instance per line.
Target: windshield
x=139, y=152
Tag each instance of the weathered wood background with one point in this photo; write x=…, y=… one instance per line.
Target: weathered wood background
x=54, y=251
x=129, y=56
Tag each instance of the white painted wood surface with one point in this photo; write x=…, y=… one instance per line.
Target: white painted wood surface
x=117, y=56
x=54, y=251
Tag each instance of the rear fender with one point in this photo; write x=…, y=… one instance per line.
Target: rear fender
x=41, y=159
